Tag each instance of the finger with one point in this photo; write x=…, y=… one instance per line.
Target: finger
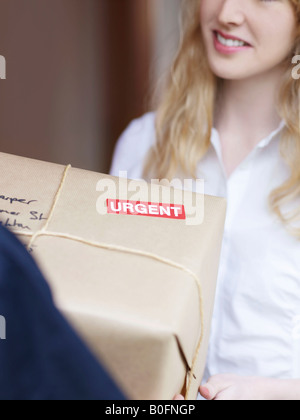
x=214, y=386
x=207, y=391
x=179, y=398
x=227, y=395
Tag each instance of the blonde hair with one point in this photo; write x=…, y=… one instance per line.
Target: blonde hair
x=184, y=119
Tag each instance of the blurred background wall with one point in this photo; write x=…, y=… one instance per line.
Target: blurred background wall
x=78, y=71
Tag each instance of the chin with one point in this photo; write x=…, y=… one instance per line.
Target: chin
x=230, y=76
x=231, y=73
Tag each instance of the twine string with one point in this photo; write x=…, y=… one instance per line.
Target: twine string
x=116, y=248
x=54, y=204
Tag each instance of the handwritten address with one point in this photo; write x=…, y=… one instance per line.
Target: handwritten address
x=12, y=200
x=14, y=219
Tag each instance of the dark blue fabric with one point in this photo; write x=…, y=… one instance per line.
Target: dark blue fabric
x=42, y=358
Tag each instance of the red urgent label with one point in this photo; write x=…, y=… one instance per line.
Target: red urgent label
x=138, y=208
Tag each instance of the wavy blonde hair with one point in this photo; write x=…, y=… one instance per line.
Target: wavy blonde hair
x=189, y=102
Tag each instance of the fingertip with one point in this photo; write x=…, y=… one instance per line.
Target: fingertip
x=205, y=392
x=179, y=398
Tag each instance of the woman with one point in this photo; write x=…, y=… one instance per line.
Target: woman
x=231, y=115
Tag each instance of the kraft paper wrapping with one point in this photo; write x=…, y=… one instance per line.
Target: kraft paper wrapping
x=139, y=290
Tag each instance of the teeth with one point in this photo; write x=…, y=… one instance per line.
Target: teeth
x=230, y=42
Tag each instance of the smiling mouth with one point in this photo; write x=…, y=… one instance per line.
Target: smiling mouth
x=230, y=42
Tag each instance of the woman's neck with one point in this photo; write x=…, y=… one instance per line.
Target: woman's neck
x=245, y=114
x=247, y=108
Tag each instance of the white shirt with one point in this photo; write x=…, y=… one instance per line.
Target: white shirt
x=256, y=322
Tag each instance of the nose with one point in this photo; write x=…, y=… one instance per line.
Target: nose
x=231, y=13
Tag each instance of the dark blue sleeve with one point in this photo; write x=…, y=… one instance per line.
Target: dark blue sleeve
x=41, y=358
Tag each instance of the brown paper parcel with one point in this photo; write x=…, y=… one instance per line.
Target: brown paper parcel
x=139, y=290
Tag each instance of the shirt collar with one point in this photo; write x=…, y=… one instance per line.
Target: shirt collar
x=215, y=139
x=265, y=142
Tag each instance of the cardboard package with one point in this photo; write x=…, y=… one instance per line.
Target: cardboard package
x=133, y=267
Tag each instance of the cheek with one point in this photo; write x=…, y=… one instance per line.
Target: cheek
x=278, y=43
x=202, y=17
x=206, y=11
x=280, y=32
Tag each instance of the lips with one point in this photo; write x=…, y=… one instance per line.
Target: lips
x=234, y=38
